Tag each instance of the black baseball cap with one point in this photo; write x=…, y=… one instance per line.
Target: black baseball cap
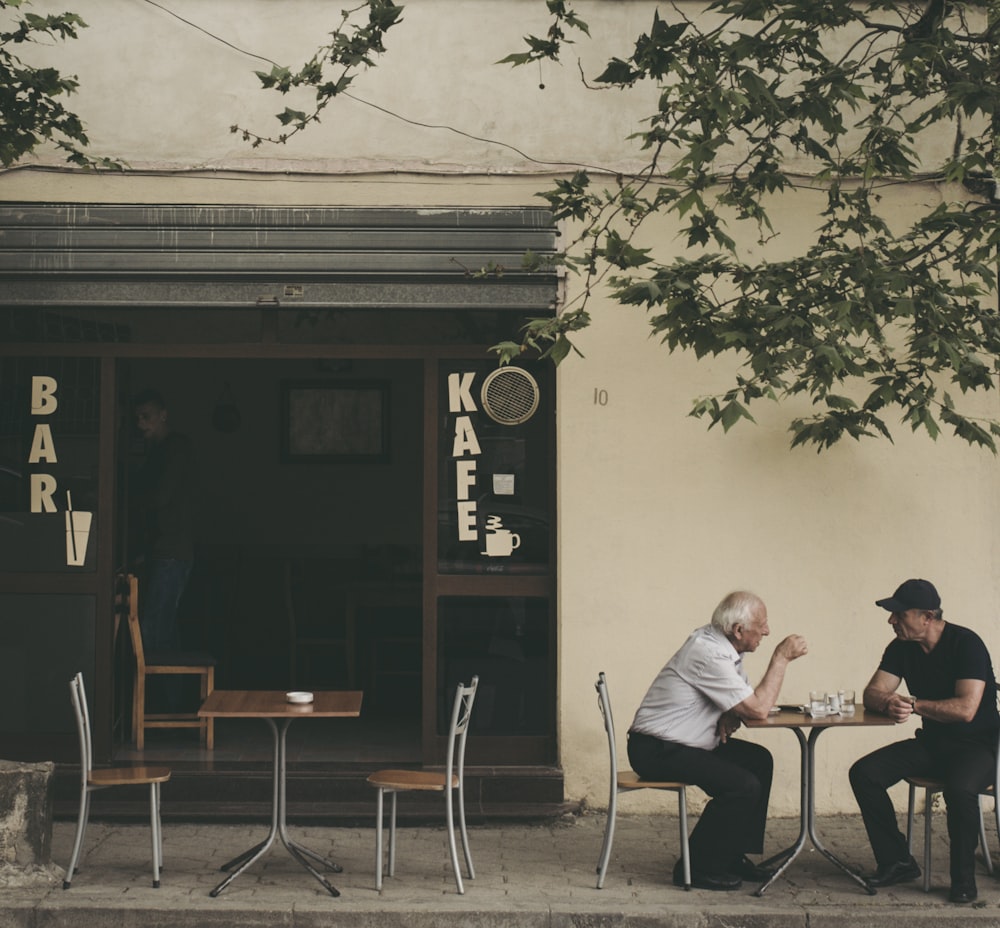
x=912, y=594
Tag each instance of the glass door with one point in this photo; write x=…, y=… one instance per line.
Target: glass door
x=489, y=594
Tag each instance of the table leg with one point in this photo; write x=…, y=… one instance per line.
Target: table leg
x=807, y=817
x=785, y=857
x=244, y=860
x=298, y=852
x=829, y=855
x=279, y=824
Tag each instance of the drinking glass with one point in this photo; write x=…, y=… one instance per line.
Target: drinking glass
x=817, y=704
x=847, y=702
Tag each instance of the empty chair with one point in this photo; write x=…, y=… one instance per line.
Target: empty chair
x=931, y=786
x=452, y=778
x=92, y=780
x=163, y=663
x=625, y=781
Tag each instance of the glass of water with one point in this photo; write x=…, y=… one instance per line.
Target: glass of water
x=847, y=702
x=817, y=704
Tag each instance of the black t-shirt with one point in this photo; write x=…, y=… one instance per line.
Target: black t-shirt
x=959, y=655
x=167, y=485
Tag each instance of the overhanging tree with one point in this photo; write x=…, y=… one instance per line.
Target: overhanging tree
x=756, y=98
x=32, y=111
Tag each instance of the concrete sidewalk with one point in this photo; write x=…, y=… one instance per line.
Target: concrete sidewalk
x=526, y=875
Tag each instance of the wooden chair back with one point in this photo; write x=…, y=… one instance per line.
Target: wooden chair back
x=180, y=663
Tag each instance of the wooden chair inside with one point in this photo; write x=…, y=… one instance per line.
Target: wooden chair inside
x=623, y=781
x=156, y=663
x=92, y=780
x=448, y=781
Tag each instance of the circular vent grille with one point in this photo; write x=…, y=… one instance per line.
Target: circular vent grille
x=510, y=395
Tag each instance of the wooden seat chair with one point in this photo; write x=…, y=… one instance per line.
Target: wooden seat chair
x=448, y=781
x=627, y=781
x=930, y=786
x=159, y=663
x=92, y=780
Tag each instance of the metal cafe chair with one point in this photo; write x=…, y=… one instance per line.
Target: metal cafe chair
x=92, y=780
x=930, y=786
x=448, y=781
x=627, y=781
x=159, y=663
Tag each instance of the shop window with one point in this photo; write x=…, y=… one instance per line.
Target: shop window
x=48, y=464
x=506, y=641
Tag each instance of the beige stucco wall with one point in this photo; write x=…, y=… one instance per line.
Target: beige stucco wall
x=658, y=517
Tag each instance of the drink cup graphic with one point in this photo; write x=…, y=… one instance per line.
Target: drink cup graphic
x=502, y=542
x=77, y=537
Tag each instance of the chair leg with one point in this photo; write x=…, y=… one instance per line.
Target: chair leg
x=471, y=870
x=609, y=836
x=996, y=811
x=682, y=809
x=139, y=713
x=154, y=827
x=987, y=860
x=392, y=833
x=910, y=805
x=452, y=847
x=207, y=685
x=81, y=827
x=379, y=826
x=927, y=839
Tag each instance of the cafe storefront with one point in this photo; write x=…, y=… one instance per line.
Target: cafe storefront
x=376, y=498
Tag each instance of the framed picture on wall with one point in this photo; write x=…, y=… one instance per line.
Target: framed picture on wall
x=324, y=421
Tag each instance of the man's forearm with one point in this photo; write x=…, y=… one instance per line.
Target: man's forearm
x=765, y=694
x=950, y=710
x=877, y=700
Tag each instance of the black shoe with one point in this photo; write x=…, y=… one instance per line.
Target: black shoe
x=963, y=892
x=902, y=871
x=755, y=873
x=719, y=882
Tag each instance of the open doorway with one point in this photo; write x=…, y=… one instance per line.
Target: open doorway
x=308, y=541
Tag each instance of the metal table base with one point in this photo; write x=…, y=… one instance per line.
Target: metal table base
x=279, y=826
x=807, y=819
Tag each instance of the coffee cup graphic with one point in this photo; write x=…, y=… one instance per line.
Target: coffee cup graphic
x=502, y=542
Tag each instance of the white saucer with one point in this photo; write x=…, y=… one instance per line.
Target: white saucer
x=299, y=698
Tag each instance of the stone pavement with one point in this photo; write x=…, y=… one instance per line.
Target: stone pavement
x=526, y=875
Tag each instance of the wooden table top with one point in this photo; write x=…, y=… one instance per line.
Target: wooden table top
x=258, y=704
x=787, y=718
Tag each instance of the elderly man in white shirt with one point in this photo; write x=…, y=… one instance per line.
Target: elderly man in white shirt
x=682, y=730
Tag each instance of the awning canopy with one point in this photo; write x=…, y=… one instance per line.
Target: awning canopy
x=63, y=254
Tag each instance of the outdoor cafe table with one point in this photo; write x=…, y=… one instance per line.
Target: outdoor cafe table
x=273, y=707
x=797, y=720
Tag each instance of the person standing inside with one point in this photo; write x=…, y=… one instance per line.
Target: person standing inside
x=682, y=731
x=166, y=485
x=949, y=675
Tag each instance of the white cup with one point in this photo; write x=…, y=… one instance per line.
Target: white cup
x=833, y=703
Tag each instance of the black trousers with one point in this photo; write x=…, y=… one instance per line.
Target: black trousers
x=737, y=777
x=964, y=767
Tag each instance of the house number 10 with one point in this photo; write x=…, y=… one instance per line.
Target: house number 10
x=600, y=397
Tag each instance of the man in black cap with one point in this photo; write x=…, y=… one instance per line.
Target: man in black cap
x=949, y=675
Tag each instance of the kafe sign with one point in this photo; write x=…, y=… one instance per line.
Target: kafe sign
x=466, y=453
